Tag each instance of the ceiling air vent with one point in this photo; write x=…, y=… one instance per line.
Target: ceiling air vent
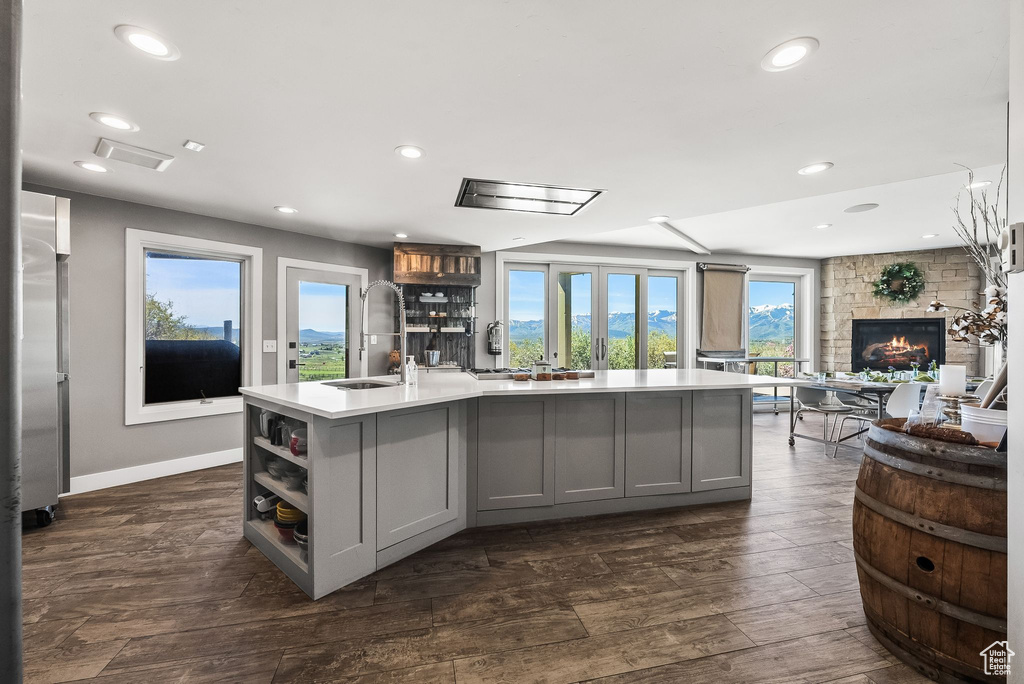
x=539, y=199
x=129, y=154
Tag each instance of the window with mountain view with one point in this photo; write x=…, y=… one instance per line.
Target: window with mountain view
x=192, y=327
x=526, y=302
x=770, y=323
x=662, y=315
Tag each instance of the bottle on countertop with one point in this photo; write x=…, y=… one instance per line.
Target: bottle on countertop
x=410, y=369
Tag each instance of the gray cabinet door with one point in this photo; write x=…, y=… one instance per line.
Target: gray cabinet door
x=590, y=447
x=722, y=439
x=658, y=429
x=515, y=452
x=342, y=499
x=417, y=471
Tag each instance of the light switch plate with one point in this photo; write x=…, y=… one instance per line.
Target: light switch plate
x=1011, y=247
x=270, y=346
x=373, y=339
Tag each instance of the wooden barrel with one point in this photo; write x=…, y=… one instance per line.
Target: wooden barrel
x=929, y=536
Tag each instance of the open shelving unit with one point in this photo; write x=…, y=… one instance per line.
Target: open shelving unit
x=260, y=530
x=449, y=321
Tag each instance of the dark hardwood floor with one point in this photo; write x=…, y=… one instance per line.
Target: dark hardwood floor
x=153, y=582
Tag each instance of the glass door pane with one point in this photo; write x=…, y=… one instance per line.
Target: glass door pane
x=621, y=343
x=574, y=301
x=662, y=321
x=770, y=331
x=323, y=316
x=322, y=326
x=526, y=302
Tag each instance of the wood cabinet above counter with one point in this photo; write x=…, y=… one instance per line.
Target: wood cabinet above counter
x=423, y=264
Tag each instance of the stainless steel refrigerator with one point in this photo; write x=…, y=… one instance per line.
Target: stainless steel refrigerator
x=46, y=246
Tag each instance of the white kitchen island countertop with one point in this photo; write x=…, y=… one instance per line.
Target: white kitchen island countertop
x=432, y=388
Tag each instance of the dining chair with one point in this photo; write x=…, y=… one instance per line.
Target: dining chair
x=905, y=399
x=814, y=401
x=983, y=388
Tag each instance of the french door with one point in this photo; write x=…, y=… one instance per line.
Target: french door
x=322, y=325
x=613, y=317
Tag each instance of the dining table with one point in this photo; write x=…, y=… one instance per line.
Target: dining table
x=875, y=393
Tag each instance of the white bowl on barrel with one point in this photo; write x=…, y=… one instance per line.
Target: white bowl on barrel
x=987, y=425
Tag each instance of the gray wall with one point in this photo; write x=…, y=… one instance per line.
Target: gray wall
x=1015, y=352
x=485, y=293
x=100, y=441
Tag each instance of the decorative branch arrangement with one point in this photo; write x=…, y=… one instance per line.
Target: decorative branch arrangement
x=981, y=236
x=978, y=226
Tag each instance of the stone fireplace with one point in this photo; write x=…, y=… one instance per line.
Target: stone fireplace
x=878, y=343
x=950, y=275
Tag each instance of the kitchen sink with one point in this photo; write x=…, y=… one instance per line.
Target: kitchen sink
x=359, y=384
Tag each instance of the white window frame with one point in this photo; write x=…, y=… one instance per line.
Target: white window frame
x=504, y=303
x=803, y=318
x=137, y=242
x=686, y=345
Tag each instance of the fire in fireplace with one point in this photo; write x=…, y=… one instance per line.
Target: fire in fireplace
x=898, y=342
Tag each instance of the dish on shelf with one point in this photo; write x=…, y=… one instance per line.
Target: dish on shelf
x=276, y=467
x=294, y=478
x=286, y=530
x=298, y=442
x=288, y=514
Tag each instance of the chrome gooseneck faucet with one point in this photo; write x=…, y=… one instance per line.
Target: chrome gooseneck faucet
x=401, y=323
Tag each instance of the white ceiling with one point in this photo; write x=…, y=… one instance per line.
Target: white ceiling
x=661, y=103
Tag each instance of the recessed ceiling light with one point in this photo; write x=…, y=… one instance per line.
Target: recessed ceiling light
x=930, y=236
x=979, y=184
x=823, y=226
x=401, y=236
x=193, y=145
x=113, y=121
x=816, y=167
x=90, y=166
x=658, y=219
x=858, y=208
x=152, y=44
x=409, y=151
x=287, y=210
x=788, y=54
x=518, y=239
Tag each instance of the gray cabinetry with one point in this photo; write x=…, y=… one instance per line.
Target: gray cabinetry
x=658, y=448
x=342, y=494
x=722, y=439
x=515, y=452
x=590, y=447
x=417, y=471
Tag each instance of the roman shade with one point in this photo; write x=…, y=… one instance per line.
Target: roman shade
x=721, y=331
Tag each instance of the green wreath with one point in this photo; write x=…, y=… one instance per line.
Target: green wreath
x=901, y=282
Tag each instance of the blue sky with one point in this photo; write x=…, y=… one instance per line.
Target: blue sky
x=322, y=306
x=206, y=291
x=526, y=294
x=762, y=293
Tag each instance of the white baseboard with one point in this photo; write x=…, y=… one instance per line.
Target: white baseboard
x=123, y=476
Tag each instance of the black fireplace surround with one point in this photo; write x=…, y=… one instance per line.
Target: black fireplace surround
x=882, y=342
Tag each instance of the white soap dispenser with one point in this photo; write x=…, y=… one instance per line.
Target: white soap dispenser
x=410, y=369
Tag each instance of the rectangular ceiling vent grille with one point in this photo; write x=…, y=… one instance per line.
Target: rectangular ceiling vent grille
x=539, y=199
x=130, y=154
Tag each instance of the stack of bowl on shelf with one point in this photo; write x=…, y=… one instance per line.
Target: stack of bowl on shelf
x=294, y=476
x=286, y=519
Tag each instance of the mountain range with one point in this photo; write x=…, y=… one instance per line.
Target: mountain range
x=306, y=335
x=767, y=322
x=310, y=336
